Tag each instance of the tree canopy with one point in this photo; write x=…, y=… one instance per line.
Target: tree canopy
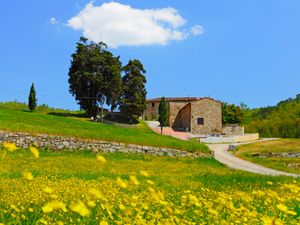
x=133, y=98
x=163, y=113
x=94, y=76
x=282, y=120
x=231, y=114
x=32, y=101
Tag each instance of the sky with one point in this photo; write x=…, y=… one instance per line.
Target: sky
x=231, y=50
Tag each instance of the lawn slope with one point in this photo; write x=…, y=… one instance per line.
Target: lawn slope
x=270, y=151
x=73, y=124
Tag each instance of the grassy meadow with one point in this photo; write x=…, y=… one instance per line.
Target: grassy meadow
x=291, y=165
x=82, y=188
x=16, y=117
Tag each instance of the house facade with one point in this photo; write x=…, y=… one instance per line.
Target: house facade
x=191, y=114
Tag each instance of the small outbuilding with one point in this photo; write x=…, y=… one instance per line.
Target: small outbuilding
x=191, y=114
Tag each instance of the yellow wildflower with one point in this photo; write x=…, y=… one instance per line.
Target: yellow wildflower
x=144, y=173
x=80, y=208
x=150, y=182
x=91, y=204
x=282, y=207
x=212, y=211
x=121, y=183
x=101, y=159
x=291, y=212
x=43, y=221
x=53, y=196
x=278, y=222
x=50, y=206
x=48, y=190
x=96, y=193
x=11, y=147
x=34, y=151
x=121, y=206
x=270, y=183
x=27, y=175
x=103, y=222
x=134, y=180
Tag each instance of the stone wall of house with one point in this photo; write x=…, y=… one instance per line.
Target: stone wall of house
x=183, y=119
x=58, y=143
x=233, y=129
x=151, y=112
x=211, y=112
x=174, y=108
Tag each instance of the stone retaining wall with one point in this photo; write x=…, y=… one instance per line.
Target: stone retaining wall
x=58, y=143
x=232, y=129
x=277, y=155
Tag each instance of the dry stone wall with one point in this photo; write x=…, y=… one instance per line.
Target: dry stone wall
x=232, y=129
x=58, y=143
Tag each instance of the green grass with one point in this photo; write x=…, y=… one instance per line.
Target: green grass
x=14, y=117
x=291, y=165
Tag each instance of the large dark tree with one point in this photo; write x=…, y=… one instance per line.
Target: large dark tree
x=163, y=113
x=32, y=101
x=133, y=99
x=92, y=75
x=113, y=79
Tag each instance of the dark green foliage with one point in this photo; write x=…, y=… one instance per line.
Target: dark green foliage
x=163, y=113
x=133, y=98
x=282, y=120
x=231, y=114
x=32, y=101
x=113, y=82
x=94, y=76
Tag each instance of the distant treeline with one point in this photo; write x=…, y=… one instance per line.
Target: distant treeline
x=282, y=120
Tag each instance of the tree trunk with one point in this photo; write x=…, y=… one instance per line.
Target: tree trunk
x=112, y=112
x=161, y=130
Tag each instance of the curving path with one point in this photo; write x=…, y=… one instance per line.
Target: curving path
x=222, y=154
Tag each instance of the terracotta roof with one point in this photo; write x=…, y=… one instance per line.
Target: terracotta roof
x=179, y=99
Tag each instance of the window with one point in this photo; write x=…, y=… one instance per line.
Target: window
x=200, y=121
x=153, y=104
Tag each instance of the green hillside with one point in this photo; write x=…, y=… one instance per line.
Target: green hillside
x=15, y=117
x=282, y=120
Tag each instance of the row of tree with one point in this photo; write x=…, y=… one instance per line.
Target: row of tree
x=95, y=79
x=282, y=120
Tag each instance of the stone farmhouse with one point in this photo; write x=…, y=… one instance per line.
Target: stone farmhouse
x=191, y=114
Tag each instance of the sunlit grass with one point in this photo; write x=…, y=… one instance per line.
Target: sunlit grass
x=73, y=124
x=291, y=165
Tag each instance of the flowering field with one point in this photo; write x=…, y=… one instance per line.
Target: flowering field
x=39, y=187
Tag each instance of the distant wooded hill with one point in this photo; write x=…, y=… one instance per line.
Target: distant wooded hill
x=282, y=120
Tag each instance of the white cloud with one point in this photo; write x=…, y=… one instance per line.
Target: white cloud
x=197, y=30
x=53, y=21
x=117, y=25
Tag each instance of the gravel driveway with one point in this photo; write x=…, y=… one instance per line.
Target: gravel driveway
x=224, y=156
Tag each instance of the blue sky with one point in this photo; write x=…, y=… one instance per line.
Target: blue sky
x=249, y=51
